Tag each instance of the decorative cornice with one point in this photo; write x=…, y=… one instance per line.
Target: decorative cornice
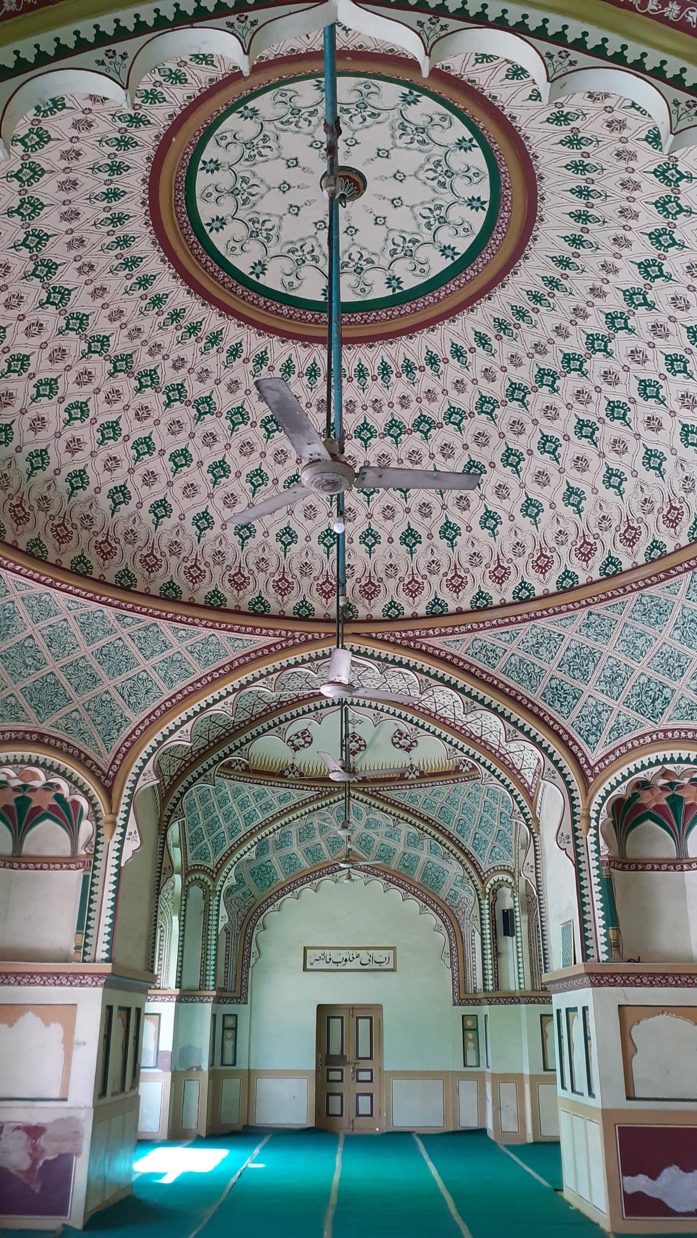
x=506, y=999
x=621, y=976
x=72, y=976
x=648, y=866
x=46, y=863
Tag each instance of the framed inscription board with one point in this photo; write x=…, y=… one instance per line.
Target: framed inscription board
x=350, y=958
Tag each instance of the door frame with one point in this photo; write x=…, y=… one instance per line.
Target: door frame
x=350, y=1010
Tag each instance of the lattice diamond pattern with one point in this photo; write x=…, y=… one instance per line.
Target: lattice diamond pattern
x=480, y=815
x=88, y=674
x=604, y=674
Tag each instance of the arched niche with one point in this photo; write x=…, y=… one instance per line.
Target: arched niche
x=135, y=909
x=194, y=937
x=646, y=825
x=422, y=1030
x=464, y=954
x=47, y=830
x=558, y=868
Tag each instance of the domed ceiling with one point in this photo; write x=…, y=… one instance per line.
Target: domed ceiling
x=526, y=272
x=519, y=302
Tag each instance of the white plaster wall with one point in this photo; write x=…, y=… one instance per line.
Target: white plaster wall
x=192, y=1030
x=422, y=1030
x=506, y=1049
x=559, y=876
x=192, y=963
x=606, y=1052
x=655, y=911
x=136, y=889
x=531, y=1036
x=166, y=1012
x=38, y=915
x=665, y=1062
x=505, y=946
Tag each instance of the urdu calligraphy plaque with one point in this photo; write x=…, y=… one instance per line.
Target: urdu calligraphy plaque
x=350, y=958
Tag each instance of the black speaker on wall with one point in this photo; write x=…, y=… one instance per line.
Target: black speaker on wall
x=508, y=922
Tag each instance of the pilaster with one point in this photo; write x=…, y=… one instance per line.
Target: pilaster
x=194, y=1072
x=626, y=1040
x=69, y=1073
x=516, y=1083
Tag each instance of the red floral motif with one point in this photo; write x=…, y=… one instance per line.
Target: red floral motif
x=404, y=740
x=19, y=512
x=326, y=588
x=413, y=587
x=543, y=562
x=299, y=740
x=456, y=582
x=673, y=515
x=499, y=573
x=151, y=562
x=105, y=548
x=194, y=573
x=61, y=532
x=585, y=550
x=238, y=580
x=630, y=534
x=283, y=586
x=369, y=589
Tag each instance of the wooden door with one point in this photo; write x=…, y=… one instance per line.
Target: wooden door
x=349, y=1068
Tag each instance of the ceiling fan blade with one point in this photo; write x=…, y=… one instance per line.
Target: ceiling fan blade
x=340, y=666
x=274, y=503
x=369, y=478
x=336, y=771
x=380, y=773
x=400, y=698
x=292, y=419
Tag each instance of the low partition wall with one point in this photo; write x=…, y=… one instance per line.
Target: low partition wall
x=504, y=1082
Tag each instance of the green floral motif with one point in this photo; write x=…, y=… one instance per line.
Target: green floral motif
x=286, y=537
x=392, y=610
x=449, y=532
x=370, y=539
x=410, y=538
x=365, y=433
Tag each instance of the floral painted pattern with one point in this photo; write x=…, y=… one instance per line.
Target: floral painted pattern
x=130, y=428
x=254, y=198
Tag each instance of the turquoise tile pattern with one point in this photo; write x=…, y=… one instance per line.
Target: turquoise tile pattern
x=87, y=675
x=611, y=673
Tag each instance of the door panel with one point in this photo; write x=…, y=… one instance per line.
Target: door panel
x=349, y=1068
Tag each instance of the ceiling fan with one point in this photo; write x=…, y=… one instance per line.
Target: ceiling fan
x=339, y=773
x=324, y=470
x=338, y=686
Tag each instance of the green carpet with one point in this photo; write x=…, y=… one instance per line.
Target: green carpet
x=288, y=1197
x=173, y=1209
x=386, y=1189
x=544, y=1158
x=496, y=1196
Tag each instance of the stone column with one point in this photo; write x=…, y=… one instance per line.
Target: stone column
x=69, y=1071
x=626, y=1039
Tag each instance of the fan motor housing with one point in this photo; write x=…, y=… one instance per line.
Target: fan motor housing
x=328, y=476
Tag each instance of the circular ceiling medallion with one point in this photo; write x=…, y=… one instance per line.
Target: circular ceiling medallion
x=237, y=204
